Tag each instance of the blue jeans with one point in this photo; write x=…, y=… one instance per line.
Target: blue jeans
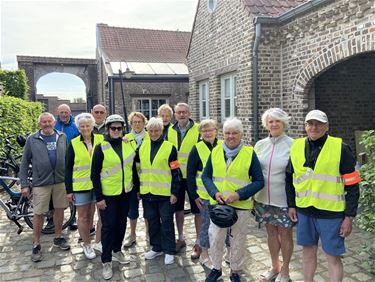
x=159, y=214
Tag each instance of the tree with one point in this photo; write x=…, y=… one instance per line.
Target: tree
x=14, y=83
x=79, y=100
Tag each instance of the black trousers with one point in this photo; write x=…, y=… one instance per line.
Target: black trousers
x=159, y=214
x=114, y=224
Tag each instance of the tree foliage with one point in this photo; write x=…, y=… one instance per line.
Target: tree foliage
x=17, y=117
x=14, y=83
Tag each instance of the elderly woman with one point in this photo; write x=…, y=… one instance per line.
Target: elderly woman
x=113, y=173
x=196, y=162
x=159, y=179
x=79, y=188
x=165, y=112
x=232, y=176
x=138, y=133
x=270, y=203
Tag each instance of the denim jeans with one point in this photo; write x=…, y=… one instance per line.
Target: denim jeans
x=159, y=214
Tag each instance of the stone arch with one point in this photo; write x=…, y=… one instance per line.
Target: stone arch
x=329, y=56
x=86, y=69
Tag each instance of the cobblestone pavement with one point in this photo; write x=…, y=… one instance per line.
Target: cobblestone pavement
x=57, y=265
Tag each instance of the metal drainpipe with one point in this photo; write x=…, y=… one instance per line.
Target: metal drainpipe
x=254, y=65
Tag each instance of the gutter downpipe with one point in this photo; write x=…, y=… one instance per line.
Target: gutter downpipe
x=286, y=17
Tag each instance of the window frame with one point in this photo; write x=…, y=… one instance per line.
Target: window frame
x=232, y=96
x=202, y=114
x=150, y=109
x=211, y=5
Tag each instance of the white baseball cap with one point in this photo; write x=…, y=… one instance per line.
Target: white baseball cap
x=316, y=115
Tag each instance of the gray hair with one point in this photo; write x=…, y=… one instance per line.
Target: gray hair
x=84, y=117
x=155, y=122
x=182, y=105
x=46, y=114
x=275, y=113
x=206, y=122
x=165, y=107
x=233, y=123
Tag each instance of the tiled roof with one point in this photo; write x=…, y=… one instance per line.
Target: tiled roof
x=142, y=45
x=272, y=8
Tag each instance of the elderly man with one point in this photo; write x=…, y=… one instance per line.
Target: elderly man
x=184, y=134
x=322, y=194
x=65, y=122
x=46, y=150
x=99, y=112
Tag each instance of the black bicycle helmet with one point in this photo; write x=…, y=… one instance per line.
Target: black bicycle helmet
x=223, y=216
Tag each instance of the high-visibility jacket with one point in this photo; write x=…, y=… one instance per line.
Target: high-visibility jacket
x=155, y=177
x=321, y=187
x=236, y=176
x=203, y=152
x=190, y=139
x=82, y=163
x=132, y=140
x=114, y=174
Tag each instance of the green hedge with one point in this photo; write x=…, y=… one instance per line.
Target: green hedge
x=14, y=83
x=17, y=117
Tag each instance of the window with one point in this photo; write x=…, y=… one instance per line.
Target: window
x=211, y=5
x=228, y=97
x=148, y=107
x=203, y=100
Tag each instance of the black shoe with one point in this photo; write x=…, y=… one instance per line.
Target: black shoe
x=36, y=254
x=234, y=277
x=214, y=275
x=49, y=224
x=73, y=225
x=61, y=243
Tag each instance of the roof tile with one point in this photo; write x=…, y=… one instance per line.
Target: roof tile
x=273, y=8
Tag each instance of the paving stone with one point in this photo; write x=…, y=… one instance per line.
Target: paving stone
x=360, y=276
x=154, y=277
x=132, y=273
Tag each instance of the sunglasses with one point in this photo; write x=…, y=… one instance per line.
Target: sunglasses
x=99, y=112
x=114, y=128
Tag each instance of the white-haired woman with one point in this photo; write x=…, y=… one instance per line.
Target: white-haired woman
x=165, y=112
x=270, y=203
x=159, y=178
x=79, y=188
x=232, y=176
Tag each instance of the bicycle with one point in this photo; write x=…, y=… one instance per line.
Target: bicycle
x=18, y=207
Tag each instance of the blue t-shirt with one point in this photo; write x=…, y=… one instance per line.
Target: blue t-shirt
x=51, y=144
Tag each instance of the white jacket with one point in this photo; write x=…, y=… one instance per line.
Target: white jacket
x=273, y=154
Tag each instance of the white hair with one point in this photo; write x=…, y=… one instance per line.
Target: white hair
x=84, y=117
x=233, y=123
x=275, y=113
x=46, y=114
x=182, y=105
x=155, y=122
x=207, y=122
x=165, y=107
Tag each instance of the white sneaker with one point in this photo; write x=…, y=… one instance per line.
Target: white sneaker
x=107, y=270
x=88, y=251
x=120, y=257
x=97, y=247
x=169, y=259
x=152, y=254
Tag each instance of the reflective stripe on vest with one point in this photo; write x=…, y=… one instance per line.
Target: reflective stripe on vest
x=321, y=187
x=188, y=142
x=203, y=153
x=115, y=175
x=155, y=178
x=235, y=177
x=82, y=161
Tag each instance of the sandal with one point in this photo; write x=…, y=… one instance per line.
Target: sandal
x=268, y=276
x=282, y=278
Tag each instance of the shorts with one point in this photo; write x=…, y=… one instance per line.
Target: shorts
x=84, y=198
x=180, y=204
x=277, y=216
x=133, y=205
x=310, y=229
x=42, y=196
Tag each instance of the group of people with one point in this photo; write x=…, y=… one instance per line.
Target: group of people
x=309, y=181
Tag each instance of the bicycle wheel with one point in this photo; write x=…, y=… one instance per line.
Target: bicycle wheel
x=11, y=171
x=69, y=214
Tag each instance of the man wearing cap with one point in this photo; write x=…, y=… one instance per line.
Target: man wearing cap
x=322, y=194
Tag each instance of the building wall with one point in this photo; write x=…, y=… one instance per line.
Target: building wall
x=221, y=44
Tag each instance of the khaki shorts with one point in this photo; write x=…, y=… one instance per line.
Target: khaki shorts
x=42, y=196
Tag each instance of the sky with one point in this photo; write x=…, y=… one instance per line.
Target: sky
x=62, y=28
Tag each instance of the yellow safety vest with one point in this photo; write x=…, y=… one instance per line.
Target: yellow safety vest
x=321, y=187
x=235, y=177
x=115, y=174
x=190, y=139
x=82, y=163
x=155, y=178
x=203, y=152
x=132, y=140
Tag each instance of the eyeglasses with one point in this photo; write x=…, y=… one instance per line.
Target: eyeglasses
x=99, y=112
x=137, y=122
x=116, y=128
